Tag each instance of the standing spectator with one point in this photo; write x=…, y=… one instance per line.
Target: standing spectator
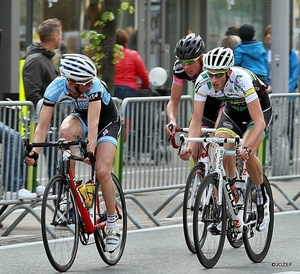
x=230, y=41
x=39, y=71
x=250, y=53
x=39, y=68
x=13, y=168
x=293, y=83
x=232, y=30
x=128, y=68
x=231, y=37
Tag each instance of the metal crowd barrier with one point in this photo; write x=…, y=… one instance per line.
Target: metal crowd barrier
x=146, y=161
x=16, y=119
x=281, y=159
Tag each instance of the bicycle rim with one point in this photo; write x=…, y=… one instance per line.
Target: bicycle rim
x=257, y=243
x=60, y=228
x=110, y=258
x=193, y=181
x=208, y=246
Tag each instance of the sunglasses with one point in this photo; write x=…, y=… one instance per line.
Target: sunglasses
x=217, y=75
x=189, y=61
x=85, y=83
x=82, y=83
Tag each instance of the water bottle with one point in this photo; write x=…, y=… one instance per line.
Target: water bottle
x=82, y=189
x=90, y=189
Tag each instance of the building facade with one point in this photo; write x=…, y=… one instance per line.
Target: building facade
x=154, y=27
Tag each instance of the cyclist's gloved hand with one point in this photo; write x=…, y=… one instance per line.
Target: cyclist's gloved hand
x=170, y=129
x=91, y=156
x=31, y=155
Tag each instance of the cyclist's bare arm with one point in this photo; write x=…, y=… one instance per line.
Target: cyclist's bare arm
x=256, y=115
x=172, y=107
x=194, y=129
x=41, y=131
x=93, y=120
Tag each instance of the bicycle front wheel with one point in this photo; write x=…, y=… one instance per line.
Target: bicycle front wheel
x=60, y=224
x=100, y=215
x=209, y=222
x=257, y=243
x=192, y=183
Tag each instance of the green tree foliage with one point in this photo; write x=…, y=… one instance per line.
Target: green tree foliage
x=103, y=48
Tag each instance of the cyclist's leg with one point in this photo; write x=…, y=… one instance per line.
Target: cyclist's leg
x=254, y=168
x=71, y=126
x=106, y=150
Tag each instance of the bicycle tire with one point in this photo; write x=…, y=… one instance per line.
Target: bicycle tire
x=60, y=228
x=192, y=183
x=208, y=246
x=110, y=258
x=257, y=243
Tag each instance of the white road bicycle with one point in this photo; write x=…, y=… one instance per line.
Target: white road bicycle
x=214, y=198
x=201, y=168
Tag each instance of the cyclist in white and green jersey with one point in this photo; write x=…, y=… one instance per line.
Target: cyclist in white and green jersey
x=247, y=113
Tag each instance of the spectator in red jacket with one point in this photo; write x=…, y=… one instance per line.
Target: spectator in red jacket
x=131, y=75
x=128, y=69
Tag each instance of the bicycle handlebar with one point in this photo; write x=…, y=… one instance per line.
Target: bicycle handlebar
x=213, y=140
x=62, y=144
x=205, y=131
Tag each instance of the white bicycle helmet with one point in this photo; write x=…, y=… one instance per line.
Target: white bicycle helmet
x=77, y=67
x=219, y=58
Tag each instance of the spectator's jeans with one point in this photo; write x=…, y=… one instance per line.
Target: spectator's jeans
x=13, y=167
x=123, y=92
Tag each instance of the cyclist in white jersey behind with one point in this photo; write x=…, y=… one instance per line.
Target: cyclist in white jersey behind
x=95, y=116
x=189, y=64
x=246, y=101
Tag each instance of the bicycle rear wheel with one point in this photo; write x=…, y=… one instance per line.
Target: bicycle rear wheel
x=192, y=183
x=257, y=243
x=100, y=215
x=60, y=224
x=208, y=216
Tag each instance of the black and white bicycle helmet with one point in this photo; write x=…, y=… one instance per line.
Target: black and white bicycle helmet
x=219, y=58
x=189, y=47
x=77, y=67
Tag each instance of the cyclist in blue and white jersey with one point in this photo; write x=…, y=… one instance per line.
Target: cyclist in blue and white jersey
x=95, y=116
x=189, y=64
x=246, y=101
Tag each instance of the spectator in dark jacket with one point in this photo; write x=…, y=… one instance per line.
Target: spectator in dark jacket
x=39, y=68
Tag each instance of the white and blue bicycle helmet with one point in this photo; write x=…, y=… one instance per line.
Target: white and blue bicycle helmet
x=77, y=67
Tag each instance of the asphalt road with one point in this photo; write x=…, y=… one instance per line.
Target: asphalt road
x=162, y=250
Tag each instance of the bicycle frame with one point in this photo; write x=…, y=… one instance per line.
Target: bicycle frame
x=223, y=186
x=85, y=214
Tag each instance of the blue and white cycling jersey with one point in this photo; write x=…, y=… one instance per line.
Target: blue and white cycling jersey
x=57, y=92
